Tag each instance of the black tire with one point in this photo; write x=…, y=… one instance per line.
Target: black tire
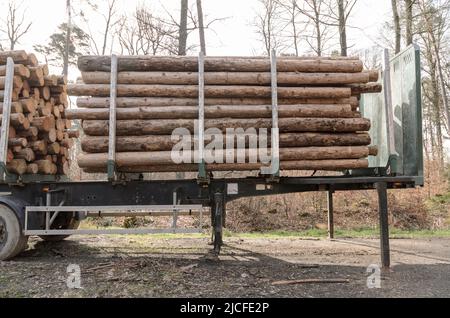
x=12, y=240
x=65, y=224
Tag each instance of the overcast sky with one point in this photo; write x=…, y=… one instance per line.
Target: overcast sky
x=233, y=36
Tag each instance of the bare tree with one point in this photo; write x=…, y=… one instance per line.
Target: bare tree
x=436, y=25
x=268, y=26
x=15, y=26
x=294, y=26
x=145, y=33
x=315, y=11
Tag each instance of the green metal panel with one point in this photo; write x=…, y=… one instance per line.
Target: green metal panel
x=405, y=89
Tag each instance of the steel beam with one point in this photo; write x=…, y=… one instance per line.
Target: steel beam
x=384, y=224
x=330, y=215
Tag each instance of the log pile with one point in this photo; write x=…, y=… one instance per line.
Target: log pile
x=319, y=122
x=40, y=135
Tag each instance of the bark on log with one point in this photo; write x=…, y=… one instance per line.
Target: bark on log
x=99, y=144
x=14, y=96
x=13, y=142
x=26, y=154
x=226, y=78
x=166, y=127
x=72, y=133
x=46, y=167
x=32, y=168
x=18, y=56
x=210, y=91
x=212, y=64
x=17, y=82
x=128, y=159
x=319, y=165
x=358, y=89
x=19, y=69
x=17, y=166
x=16, y=107
x=30, y=132
x=125, y=102
x=43, y=123
x=191, y=112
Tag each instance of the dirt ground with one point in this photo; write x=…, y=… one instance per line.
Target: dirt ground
x=146, y=266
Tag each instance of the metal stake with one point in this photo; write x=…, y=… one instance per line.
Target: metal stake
x=6, y=116
x=112, y=120
x=330, y=215
x=384, y=224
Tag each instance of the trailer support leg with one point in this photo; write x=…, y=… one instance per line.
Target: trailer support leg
x=218, y=210
x=330, y=215
x=384, y=224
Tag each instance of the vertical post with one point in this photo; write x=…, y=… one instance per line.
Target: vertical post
x=275, y=129
x=112, y=120
x=201, y=117
x=330, y=215
x=388, y=102
x=48, y=202
x=218, y=211
x=274, y=168
x=6, y=116
x=384, y=224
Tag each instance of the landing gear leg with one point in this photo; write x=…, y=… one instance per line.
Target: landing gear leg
x=217, y=211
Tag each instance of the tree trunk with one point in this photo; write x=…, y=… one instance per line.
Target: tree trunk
x=201, y=27
x=140, y=63
x=124, y=90
x=325, y=165
x=397, y=29
x=166, y=127
x=409, y=21
x=342, y=28
x=126, y=102
x=229, y=78
x=182, y=34
x=129, y=159
x=99, y=144
x=238, y=111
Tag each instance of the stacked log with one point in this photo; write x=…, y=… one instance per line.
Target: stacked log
x=39, y=134
x=319, y=122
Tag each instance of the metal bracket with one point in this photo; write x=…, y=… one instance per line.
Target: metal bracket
x=111, y=163
x=274, y=169
x=6, y=118
x=388, y=103
x=203, y=177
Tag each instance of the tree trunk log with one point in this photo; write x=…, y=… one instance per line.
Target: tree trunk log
x=216, y=64
x=322, y=165
x=191, y=112
x=210, y=91
x=166, y=127
x=17, y=166
x=226, y=78
x=125, y=102
x=127, y=159
x=99, y=144
x=19, y=70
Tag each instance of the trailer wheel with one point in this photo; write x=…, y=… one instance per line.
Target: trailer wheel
x=12, y=241
x=63, y=223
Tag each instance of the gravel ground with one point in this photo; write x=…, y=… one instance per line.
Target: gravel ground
x=145, y=266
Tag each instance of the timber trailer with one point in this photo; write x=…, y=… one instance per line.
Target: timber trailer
x=52, y=208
